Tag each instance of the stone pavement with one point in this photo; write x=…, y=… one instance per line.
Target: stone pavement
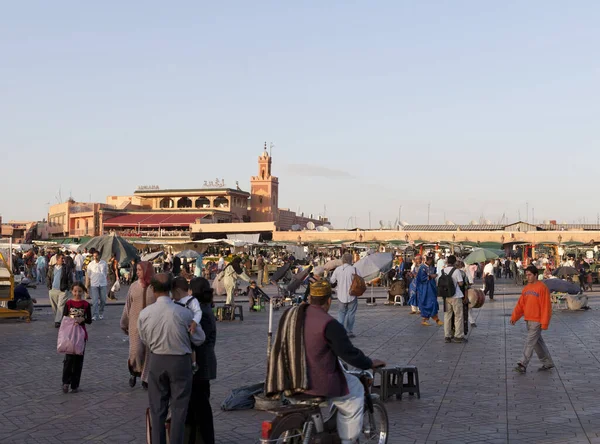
x=469, y=392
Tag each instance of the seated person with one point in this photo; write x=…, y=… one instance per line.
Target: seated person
x=22, y=298
x=325, y=342
x=253, y=295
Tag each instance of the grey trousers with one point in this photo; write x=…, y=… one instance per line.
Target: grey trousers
x=58, y=299
x=169, y=387
x=535, y=342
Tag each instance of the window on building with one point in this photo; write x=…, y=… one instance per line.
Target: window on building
x=221, y=202
x=184, y=202
x=202, y=202
x=166, y=202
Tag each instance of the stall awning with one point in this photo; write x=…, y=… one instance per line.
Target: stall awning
x=248, y=238
x=153, y=220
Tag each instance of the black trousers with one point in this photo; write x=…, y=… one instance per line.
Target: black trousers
x=489, y=286
x=199, y=424
x=72, y=367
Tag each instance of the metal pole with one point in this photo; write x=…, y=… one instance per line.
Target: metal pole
x=270, y=334
x=428, y=210
x=10, y=263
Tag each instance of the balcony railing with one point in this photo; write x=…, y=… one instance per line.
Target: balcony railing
x=84, y=232
x=152, y=233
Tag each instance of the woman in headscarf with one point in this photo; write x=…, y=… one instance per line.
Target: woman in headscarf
x=199, y=423
x=140, y=295
x=233, y=271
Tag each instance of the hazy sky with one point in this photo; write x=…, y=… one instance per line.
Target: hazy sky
x=474, y=106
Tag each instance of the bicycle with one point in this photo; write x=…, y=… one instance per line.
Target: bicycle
x=303, y=422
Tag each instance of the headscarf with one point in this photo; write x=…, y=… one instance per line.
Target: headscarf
x=148, y=271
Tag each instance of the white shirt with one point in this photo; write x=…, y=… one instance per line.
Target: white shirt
x=78, y=262
x=220, y=263
x=441, y=263
x=97, y=272
x=457, y=278
x=488, y=269
x=343, y=276
x=192, y=303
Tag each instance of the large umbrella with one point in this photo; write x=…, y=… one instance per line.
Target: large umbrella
x=333, y=264
x=298, y=279
x=280, y=272
x=188, y=253
x=151, y=256
x=111, y=243
x=565, y=271
x=480, y=255
x=370, y=266
x=561, y=286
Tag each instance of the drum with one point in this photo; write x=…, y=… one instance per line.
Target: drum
x=476, y=298
x=397, y=288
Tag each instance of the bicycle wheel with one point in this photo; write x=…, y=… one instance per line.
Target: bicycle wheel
x=376, y=424
x=288, y=430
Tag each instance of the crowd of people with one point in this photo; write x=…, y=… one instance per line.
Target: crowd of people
x=171, y=327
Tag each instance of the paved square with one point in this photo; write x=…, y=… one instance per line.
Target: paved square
x=469, y=392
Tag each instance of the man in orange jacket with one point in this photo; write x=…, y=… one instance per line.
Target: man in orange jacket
x=535, y=304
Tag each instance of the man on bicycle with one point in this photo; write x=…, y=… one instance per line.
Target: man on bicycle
x=326, y=342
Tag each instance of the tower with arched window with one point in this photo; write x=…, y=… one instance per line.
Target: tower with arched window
x=264, y=191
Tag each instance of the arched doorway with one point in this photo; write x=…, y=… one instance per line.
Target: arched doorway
x=184, y=202
x=221, y=202
x=166, y=202
x=202, y=202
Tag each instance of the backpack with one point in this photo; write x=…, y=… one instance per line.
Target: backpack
x=358, y=286
x=446, y=285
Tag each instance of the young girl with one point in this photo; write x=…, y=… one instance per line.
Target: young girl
x=79, y=309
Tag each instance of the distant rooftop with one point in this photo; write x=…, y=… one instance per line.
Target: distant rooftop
x=191, y=190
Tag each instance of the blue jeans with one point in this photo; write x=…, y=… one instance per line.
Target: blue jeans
x=98, y=293
x=346, y=314
x=41, y=275
x=79, y=276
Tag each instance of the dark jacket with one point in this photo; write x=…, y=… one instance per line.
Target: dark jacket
x=205, y=354
x=66, y=279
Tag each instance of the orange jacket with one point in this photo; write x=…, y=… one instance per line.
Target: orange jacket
x=535, y=304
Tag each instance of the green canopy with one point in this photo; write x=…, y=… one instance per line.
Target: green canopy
x=124, y=251
x=480, y=255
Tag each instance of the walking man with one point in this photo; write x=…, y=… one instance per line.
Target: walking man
x=96, y=281
x=163, y=327
x=536, y=306
x=59, y=281
x=488, y=278
x=260, y=265
x=454, y=304
x=40, y=264
x=347, y=304
x=79, y=259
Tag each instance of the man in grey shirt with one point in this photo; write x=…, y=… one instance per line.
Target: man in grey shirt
x=164, y=328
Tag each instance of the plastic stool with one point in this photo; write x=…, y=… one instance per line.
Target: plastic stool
x=391, y=382
x=398, y=300
x=412, y=385
x=238, y=312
